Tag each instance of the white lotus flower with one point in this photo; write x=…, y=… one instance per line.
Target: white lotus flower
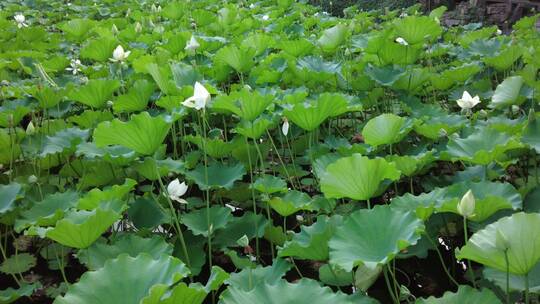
x=175, y=189
x=200, y=97
x=74, y=66
x=192, y=45
x=499, y=32
x=285, y=127
x=265, y=17
x=119, y=54
x=402, y=41
x=21, y=20
x=466, y=206
x=468, y=102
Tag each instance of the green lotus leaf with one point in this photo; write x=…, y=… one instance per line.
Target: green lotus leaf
x=506, y=58
x=356, y=177
x=516, y=282
x=143, y=133
x=391, y=52
x=476, y=34
x=385, y=232
x=48, y=97
x=48, y=211
x=79, y=229
x=507, y=93
x=386, y=129
x=95, y=256
x=269, y=184
x=194, y=293
x=77, y=29
x=482, y=147
x=418, y=29
x=95, y=197
x=18, y=263
x=515, y=234
x=432, y=126
x=251, y=225
x=296, y=48
x=90, y=118
x=412, y=80
x=311, y=243
x=290, y=203
x=531, y=133
x=146, y=213
x=8, y=195
x=335, y=276
x=215, y=147
x=311, y=115
x=117, y=155
x=423, y=204
x=8, y=151
x=410, y=165
x=63, y=140
x=95, y=93
x=136, y=98
x=239, y=59
x=364, y=276
x=245, y=104
x=333, y=37
x=461, y=73
x=100, y=49
x=162, y=75
x=200, y=220
x=11, y=295
x=121, y=281
x=14, y=111
x=465, y=294
x=153, y=169
x=303, y=291
x=249, y=278
x=254, y=129
x=216, y=175
x=316, y=66
x=385, y=76
x=490, y=197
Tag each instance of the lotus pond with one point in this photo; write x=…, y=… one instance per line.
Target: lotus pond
x=265, y=152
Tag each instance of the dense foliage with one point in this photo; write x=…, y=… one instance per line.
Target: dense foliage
x=265, y=152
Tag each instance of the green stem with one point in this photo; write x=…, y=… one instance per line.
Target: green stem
x=469, y=266
x=527, y=301
x=442, y=260
x=388, y=285
x=253, y=199
x=209, y=226
x=281, y=160
x=507, y=276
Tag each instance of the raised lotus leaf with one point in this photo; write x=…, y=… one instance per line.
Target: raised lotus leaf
x=207, y=221
x=464, y=294
x=508, y=93
x=96, y=93
x=385, y=232
x=356, y=177
x=47, y=211
x=216, y=175
x=386, y=129
x=95, y=256
x=269, y=184
x=124, y=279
x=8, y=195
x=10, y=295
x=250, y=225
x=18, y=263
x=290, y=203
x=311, y=243
x=516, y=282
x=303, y=291
x=95, y=197
x=417, y=29
x=516, y=235
x=143, y=133
x=483, y=146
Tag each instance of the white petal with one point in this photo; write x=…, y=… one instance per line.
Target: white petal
x=466, y=96
x=189, y=103
x=285, y=128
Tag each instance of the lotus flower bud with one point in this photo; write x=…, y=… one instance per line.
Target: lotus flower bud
x=30, y=129
x=243, y=241
x=110, y=103
x=138, y=27
x=467, y=204
x=32, y=179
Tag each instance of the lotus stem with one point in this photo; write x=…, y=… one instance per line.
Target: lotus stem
x=281, y=160
x=469, y=266
x=439, y=254
x=507, y=276
x=389, y=287
x=527, y=300
x=209, y=226
x=253, y=199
